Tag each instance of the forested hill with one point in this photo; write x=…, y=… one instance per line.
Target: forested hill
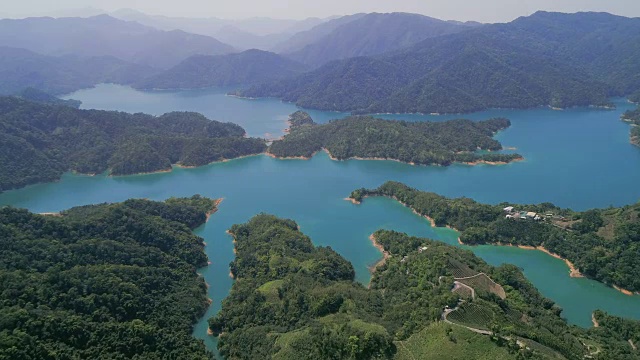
x=245, y=68
x=373, y=34
x=39, y=142
x=424, y=143
x=20, y=69
x=39, y=96
x=549, y=59
x=291, y=300
x=602, y=244
x=111, y=281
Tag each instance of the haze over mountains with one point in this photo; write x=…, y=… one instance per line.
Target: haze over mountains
x=248, y=67
x=104, y=35
x=550, y=59
x=373, y=34
x=252, y=33
x=364, y=63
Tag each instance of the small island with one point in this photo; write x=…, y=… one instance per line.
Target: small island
x=109, y=281
x=293, y=300
x=596, y=243
x=419, y=143
x=39, y=142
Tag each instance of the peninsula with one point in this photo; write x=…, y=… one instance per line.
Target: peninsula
x=39, y=142
x=599, y=243
x=292, y=300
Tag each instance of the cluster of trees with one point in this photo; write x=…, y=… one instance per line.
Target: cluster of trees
x=633, y=117
x=110, y=281
x=300, y=118
x=424, y=143
x=618, y=336
x=39, y=142
x=601, y=243
x=292, y=300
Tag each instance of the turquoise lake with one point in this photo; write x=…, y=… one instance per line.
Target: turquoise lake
x=578, y=158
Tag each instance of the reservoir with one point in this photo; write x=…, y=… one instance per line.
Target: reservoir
x=577, y=158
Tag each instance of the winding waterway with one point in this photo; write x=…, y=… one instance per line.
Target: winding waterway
x=579, y=158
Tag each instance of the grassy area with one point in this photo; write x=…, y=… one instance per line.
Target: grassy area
x=449, y=342
x=270, y=290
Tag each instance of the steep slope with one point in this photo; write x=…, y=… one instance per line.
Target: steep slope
x=251, y=33
x=304, y=38
x=373, y=34
x=21, y=68
x=107, y=36
x=552, y=59
x=248, y=67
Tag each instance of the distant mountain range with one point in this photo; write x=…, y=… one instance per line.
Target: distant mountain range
x=104, y=35
x=372, y=34
x=20, y=69
x=251, y=33
x=245, y=68
x=553, y=59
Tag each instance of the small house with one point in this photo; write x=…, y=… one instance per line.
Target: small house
x=508, y=209
x=531, y=214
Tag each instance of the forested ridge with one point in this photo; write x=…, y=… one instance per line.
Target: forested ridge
x=546, y=59
x=39, y=96
x=40, y=142
x=425, y=143
x=292, y=300
x=109, y=281
x=601, y=243
x=245, y=68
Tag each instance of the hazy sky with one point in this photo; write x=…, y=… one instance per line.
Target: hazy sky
x=480, y=10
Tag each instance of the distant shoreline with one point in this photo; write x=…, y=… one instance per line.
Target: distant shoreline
x=474, y=163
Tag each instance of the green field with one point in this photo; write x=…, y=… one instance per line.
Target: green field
x=434, y=343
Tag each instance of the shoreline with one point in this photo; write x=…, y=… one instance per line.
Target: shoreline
x=333, y=158
x=216, y=204
x=594, y=321
x=385, y=254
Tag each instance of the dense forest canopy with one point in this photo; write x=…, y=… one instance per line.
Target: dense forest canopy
x=39, y=96
x=40, y=142
x=425, y=143
x=245, y=68
x=373, y=34
x=602, y=244
x=109, y=281
x=292, y=300
x=546, y=59
x=20, y=68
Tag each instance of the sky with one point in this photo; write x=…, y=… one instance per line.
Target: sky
x=464, y=10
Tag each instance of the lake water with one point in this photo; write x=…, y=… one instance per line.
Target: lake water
x=578, y=158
